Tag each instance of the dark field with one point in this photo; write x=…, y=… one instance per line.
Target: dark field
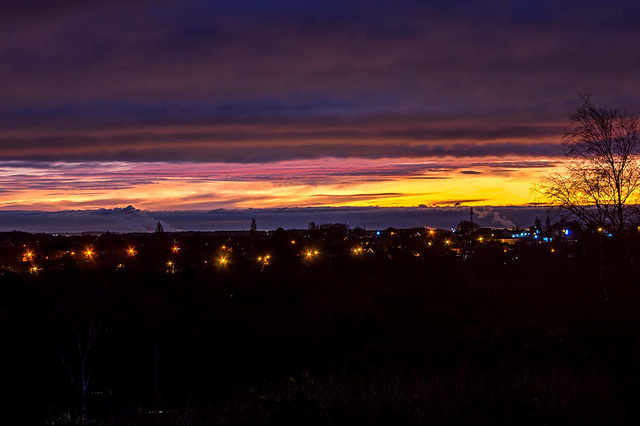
x=406, y=333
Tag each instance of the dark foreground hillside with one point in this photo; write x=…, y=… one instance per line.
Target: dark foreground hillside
x=517, y=337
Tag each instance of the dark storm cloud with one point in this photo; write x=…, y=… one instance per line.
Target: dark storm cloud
x=130, y=219
x=89, y=80
x=126, y=219
x=59, y=149
x=370, y=217
x=262, y=140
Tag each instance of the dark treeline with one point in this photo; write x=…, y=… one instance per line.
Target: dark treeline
x=405, y=331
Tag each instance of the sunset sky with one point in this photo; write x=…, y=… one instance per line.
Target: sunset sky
x=259, y=104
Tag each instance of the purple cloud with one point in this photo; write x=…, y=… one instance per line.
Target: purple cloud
x=249, y=83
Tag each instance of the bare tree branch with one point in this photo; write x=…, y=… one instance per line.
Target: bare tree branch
x=598, y=183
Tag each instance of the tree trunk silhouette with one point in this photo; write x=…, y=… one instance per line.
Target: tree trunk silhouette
x=78, y=369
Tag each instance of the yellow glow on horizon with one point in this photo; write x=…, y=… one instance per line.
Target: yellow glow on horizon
x=485, y=186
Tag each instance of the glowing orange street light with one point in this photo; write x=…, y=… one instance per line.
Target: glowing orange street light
x=175, y=249
x=222, y=261
x=131, y=251
x=29, y=255
x=34, y=270
x=88, y=253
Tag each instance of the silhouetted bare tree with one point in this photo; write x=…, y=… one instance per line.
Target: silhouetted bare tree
x=598, y=183
x=159, y=228
x=77, y=365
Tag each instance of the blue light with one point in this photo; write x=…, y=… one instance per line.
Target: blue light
x=378, y=233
